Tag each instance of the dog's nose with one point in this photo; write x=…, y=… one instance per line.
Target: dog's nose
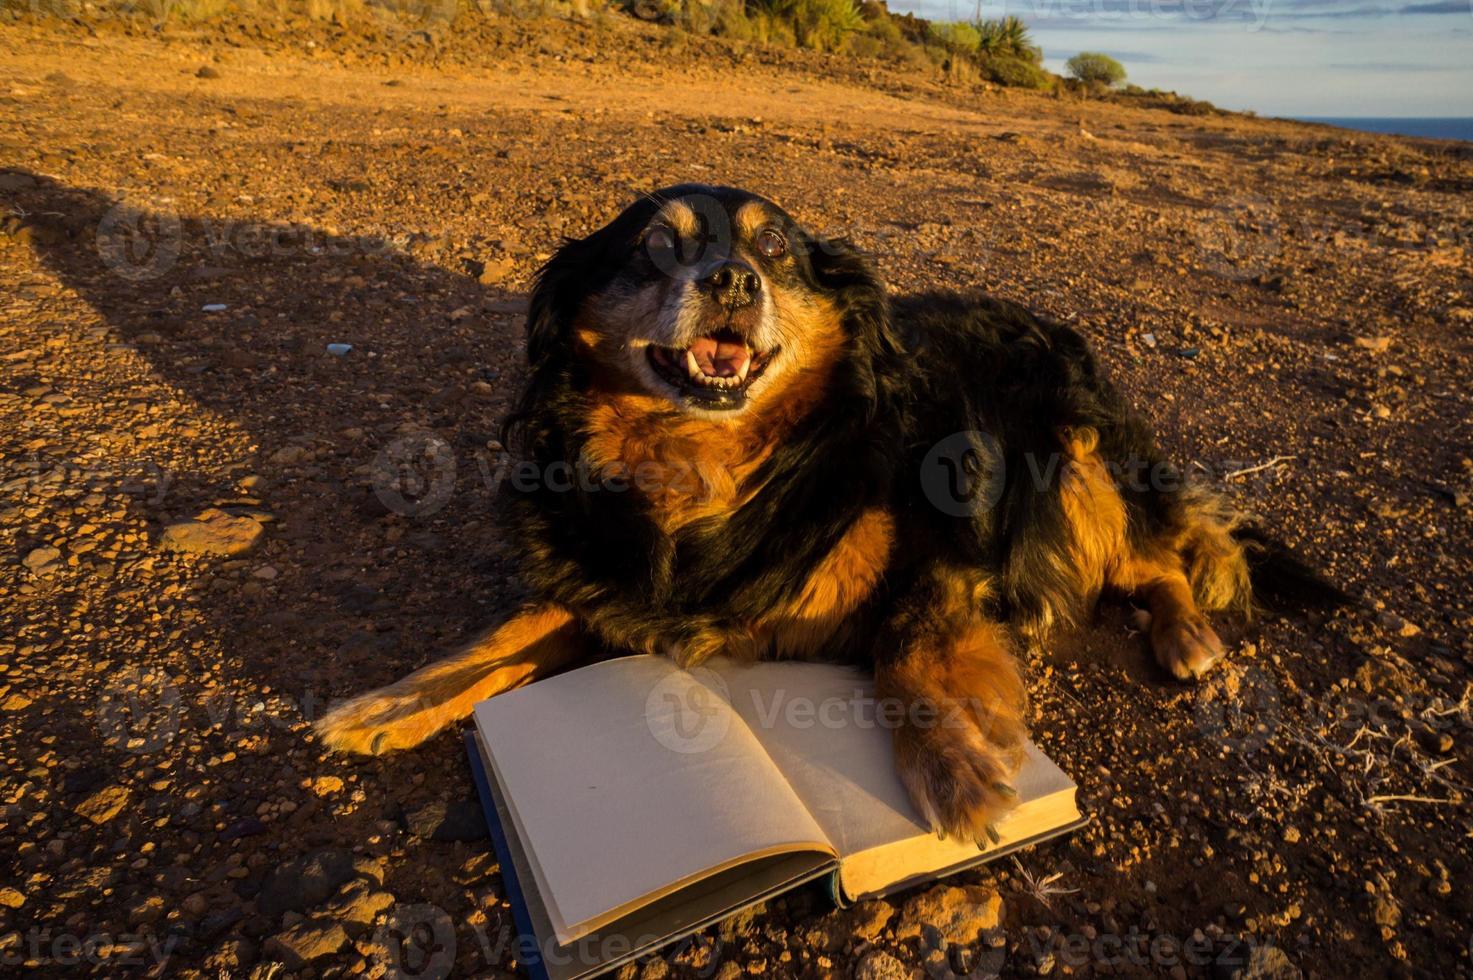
x=733, y=285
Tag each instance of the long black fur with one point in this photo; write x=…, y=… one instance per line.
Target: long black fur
x=916, y=373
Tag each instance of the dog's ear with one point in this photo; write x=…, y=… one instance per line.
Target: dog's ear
x=558, y=290
x=846, y=273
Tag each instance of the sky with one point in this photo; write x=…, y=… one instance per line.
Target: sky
x=1299, y=58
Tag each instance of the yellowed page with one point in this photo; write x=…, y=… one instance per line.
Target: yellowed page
x=820, y=726
x=626, y=780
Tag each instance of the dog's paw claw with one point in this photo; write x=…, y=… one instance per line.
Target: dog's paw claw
x=1186, y=647
x=958, y=779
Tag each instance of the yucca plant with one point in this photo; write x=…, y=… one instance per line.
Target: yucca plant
x=1007, y=37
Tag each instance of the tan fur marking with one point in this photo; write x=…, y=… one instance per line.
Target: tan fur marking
x=405, y=713
x=750, y=219
x=691, y=468
x=1096, y=517
x=842, y=581
x=962, y=701
x=681, y=217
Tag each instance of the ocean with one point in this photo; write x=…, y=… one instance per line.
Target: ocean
x=1437, y=128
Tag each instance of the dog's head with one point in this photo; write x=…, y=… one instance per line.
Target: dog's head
x=711, y=298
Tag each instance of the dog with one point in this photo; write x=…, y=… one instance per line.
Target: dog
x=761, y=456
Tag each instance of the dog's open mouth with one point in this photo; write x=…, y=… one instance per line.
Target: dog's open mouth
x=715, y=370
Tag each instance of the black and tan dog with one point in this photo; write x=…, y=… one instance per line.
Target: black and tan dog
x=751, y=422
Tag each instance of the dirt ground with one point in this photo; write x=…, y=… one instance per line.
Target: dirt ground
x=192, y=217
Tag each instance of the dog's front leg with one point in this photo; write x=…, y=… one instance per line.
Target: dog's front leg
x=532, y=644
x=950, y=686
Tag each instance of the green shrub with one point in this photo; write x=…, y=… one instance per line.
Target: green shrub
x=1094, y=68
x=823, y=25
x=957, y=36
x=1015, y=72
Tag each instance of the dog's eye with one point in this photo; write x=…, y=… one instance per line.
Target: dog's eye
x=771, y=243
x=659, y=239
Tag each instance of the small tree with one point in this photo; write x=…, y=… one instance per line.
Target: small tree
x=1094, y=68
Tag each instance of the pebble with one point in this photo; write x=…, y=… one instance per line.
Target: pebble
x=959, y=914
x=43, y=561
x=442, y=820
x=305, y=882
x=104, y=805
x=214, y=532
x=309, y=940
x=880, y=965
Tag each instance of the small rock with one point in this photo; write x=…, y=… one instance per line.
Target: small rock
x=457, y=820
x=305, y=882
x=1244, y=962
x=11, y=898
x=1376, y=345
x=207, y=72
x=43, y=561
x=497, y=271
x=265, y=572
x=868, y=919
x=215, y=307
x=1385, y=912
x=326, y=785
x=298, y=945
x=103, y=805
x=960, y=915
x=338, y=350
x=357, y=905
x=880, y=965
x=214, y=532
x=288, y=455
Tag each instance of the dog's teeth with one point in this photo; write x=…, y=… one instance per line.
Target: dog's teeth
x=691, y=367
x=742, y=371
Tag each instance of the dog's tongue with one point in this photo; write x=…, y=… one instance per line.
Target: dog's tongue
x=720, y=358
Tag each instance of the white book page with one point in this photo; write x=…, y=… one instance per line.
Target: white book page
x=627, y=779
x=820, y=725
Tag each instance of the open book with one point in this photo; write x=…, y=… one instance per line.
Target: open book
x=633, y=802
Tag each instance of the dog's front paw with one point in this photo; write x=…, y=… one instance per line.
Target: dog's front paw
x=959, y=775
x=376, y=722
x=1186, y=645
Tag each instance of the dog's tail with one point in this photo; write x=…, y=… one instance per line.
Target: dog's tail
x=1233, y=565
x=1283, y=581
